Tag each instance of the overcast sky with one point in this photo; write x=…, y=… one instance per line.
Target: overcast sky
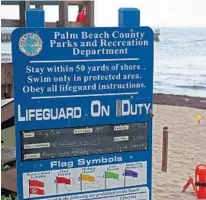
x=181, y=13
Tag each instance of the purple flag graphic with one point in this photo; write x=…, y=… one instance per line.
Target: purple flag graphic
x=130, y=173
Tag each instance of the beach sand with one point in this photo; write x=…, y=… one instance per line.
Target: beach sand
x=187, y=142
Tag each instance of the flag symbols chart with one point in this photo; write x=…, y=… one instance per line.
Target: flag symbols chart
x=83, y=103
x=48, y=183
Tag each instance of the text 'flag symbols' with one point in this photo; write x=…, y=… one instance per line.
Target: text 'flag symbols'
x=111, y=175
x=130, y=173
x=86, y=177
x=63, y=180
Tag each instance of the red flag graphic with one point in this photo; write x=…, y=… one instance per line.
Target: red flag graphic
x=37, y=191
x=36, y=183
x=63, y=180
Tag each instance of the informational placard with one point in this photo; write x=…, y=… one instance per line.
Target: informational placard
x=83, y=99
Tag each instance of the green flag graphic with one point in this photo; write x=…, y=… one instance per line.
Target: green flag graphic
x=111, y=175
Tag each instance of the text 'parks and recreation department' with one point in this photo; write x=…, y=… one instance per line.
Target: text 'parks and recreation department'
x=104, y=43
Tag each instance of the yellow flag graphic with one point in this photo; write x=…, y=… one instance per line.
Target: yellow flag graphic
x=86, y=177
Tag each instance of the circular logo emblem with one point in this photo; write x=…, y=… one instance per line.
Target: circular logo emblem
x=30, y=44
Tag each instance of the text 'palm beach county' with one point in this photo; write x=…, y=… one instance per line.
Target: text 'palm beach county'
x=105, y=43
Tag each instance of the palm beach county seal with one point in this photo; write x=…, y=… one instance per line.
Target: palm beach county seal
x=30, y=44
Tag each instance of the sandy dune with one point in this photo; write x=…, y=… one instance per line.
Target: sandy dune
x=187, y=148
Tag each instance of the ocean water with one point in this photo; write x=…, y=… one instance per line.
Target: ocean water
x=179, y=61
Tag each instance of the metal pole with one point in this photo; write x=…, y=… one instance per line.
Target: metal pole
x=165, y=149
x=35, y=18
x=129, y=17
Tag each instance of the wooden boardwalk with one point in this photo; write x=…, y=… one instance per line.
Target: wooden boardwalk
x=63, y=13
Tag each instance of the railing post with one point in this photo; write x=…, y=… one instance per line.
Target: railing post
x=89, y=13
x=63, y=14
x=165, y=149
x=35, y=18
x=129, y=17
x=23, y=5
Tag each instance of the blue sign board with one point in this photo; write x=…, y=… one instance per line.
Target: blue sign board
x=83, y=98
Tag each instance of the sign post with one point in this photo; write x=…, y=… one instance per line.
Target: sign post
x=83, y=98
